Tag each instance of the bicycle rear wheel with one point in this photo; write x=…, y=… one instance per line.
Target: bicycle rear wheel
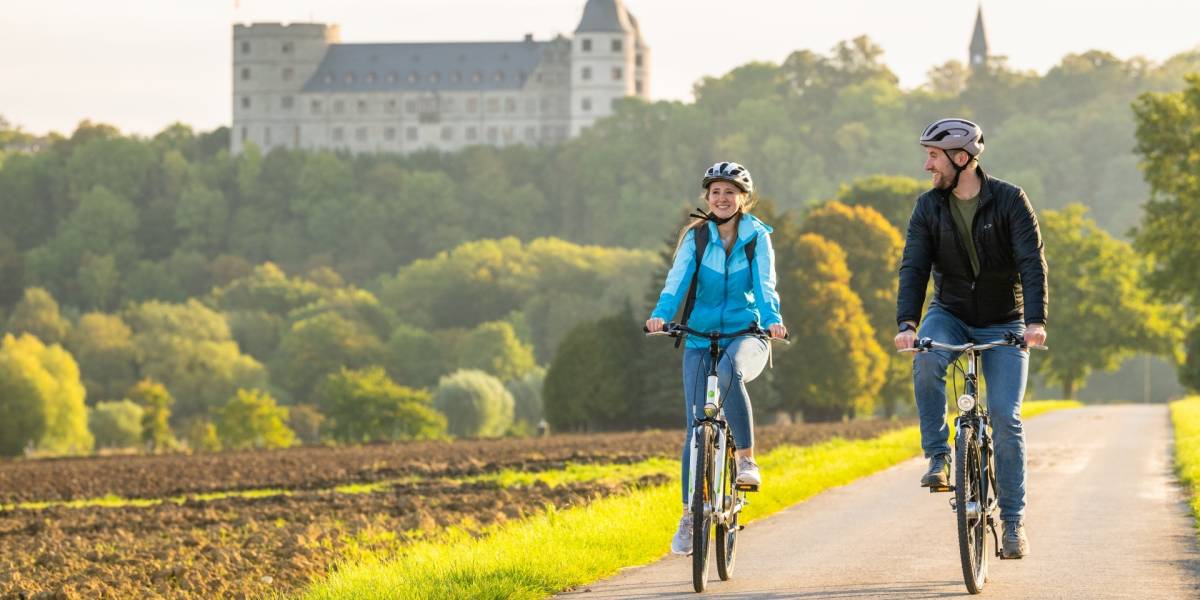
x=970, y=510
x=701, y=499
x=728, y=529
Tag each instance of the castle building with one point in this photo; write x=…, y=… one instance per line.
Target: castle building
x=297, y=86
x=979, y=45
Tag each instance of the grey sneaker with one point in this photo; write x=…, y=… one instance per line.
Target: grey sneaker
x=938, y=474
x=1013, y=542
x=748, y=472
x=681, y=544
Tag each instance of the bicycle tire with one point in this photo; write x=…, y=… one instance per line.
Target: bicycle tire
x=972, y=538
x=726, y=538
x=701, y=519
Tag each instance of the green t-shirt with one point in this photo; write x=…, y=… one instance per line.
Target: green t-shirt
x=964, y=215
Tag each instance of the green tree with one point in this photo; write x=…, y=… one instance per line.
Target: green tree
x=251, y=419
x=188, y=347
x=1189, y=371
x=475, y=404
x=1111, y=315
x=200, y=434
x=306, y=421
x=41, y=399
x=838, y=370
x=323, y=344
x=893, y=196
x=37, y=314
x=103, y=345
x=418, y=358
x=366, y=405
x=156, y=402
x=495, y=349
x=527, y=396
x=116, y=424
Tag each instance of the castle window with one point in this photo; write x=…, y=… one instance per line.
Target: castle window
x=245, y=73
x=287, y=47
x=498, y=76
x=360, y=134
x=288, y=72
x=616, y=45
x=371, y=77
x=389, y=134
x=585, y=44
x=362, y=107
x=349, y=78
x=447, y=133
x=410, y=133
x=638, y=59
x=315, y=107
x=287, y=102
x=245, y=47
x=476, y=77
x=245, y=101
x=472, y=105
x=510, y=105
x=617, y=73
x=339, y=107
x=472, y=133
x=390, y=105
x=586, y=104
x=586, y=74
x=337, y=134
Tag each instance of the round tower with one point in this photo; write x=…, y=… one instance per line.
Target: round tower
x=271, y=64
x=604, y=65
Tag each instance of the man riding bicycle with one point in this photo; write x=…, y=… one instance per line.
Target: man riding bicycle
x=980, y=238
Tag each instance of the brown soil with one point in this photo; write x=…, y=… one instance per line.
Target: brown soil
x=239, y=547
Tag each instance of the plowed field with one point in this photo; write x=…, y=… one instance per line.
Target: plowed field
x=250, y=547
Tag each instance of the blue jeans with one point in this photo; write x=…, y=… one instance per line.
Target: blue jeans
x=1005, y=371
x=743, y=360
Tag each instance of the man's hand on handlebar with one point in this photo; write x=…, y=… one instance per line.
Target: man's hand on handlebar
x=906, y=339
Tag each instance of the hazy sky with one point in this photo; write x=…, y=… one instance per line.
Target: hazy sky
x=142, y=64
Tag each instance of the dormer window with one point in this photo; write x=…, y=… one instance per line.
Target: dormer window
x=349, y=78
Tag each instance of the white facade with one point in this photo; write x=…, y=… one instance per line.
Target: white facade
x=296, y=86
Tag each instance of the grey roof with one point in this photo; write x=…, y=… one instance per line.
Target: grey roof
x=604, y=15
x=438, y=66
x=979, y=40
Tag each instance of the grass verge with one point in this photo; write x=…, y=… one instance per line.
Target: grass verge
x=559, y=550
x=1185, y=417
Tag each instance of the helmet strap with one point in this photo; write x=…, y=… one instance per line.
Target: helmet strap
x=957, y=169
x=700, y=214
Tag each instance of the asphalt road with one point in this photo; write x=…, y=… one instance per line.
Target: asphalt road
x=1105, y=519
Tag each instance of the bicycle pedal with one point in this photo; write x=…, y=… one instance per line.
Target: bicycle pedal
x=745, y=487
x=940, y=488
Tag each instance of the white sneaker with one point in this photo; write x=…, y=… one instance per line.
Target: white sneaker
x=681, y=544
x=748, y=472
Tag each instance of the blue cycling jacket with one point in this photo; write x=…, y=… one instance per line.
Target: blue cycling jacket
x=731, y=295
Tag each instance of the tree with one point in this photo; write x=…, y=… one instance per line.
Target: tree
x=306, y=421
x=894, y=197
x=1165, y=122
x=839, y=369
x=475, y=404
x=527, y=396
x=495, y=349
x=418, y=358
x=188, y=347
x=251, y=419
x=103, y=345
x=41, y=399
x=37, y=314
x=200, y=434
x=323, y=344
x=116, y=424
x=156, y=404
x=1108, y=314
x=366, y=405
x=1189, y=371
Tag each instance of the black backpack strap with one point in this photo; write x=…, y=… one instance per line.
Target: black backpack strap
x=701, y=237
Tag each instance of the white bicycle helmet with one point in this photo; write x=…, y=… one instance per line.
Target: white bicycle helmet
x=731, y=172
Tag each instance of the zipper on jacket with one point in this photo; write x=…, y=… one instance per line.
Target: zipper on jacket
x=962, y=248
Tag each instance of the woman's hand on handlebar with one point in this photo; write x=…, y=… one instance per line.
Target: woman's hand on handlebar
x=654, y=325
x=778, y=330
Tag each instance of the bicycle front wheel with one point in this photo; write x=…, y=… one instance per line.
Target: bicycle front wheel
x=701, y=503
x=969, y=508
x=727, y=529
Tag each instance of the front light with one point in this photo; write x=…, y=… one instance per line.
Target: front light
x=966, y=402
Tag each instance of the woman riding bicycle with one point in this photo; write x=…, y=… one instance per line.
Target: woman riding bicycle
x=731, y=294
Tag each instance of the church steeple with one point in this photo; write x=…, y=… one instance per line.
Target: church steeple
x=979, y=47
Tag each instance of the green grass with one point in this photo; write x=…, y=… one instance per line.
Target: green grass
x=1185, y=416
x=559, y=550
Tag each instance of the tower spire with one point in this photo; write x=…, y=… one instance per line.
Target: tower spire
x=979, y=47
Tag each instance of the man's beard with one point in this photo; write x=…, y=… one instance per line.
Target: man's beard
x=940, y=180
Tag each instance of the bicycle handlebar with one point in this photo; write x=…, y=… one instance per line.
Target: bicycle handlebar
x=673, y=329
x=1010, y=339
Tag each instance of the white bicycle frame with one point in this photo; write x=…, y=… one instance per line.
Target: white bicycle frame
x=712, y=396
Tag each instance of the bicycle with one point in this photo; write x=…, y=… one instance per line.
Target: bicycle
x=975, y=502
x=716, y=497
